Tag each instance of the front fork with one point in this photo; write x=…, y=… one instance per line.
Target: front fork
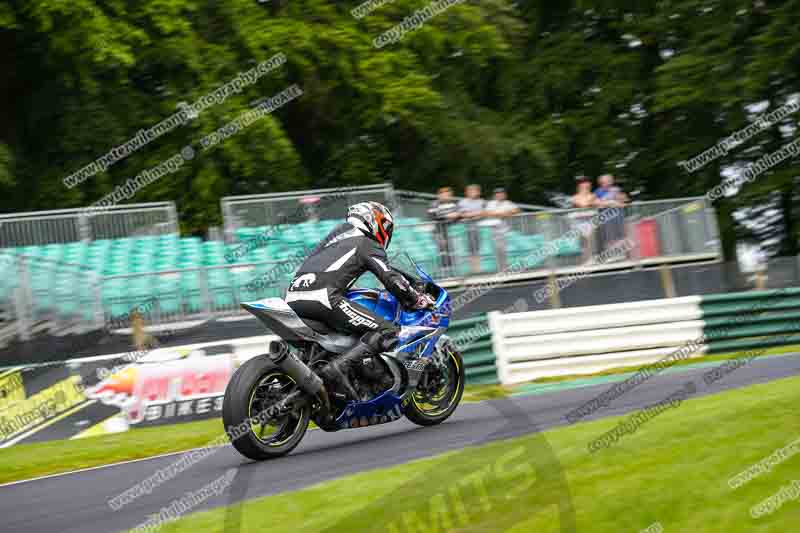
x=420, y=379
x=437, y=368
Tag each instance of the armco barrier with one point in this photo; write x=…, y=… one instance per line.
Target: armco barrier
x=473, y=339
x=762, y=319
x=162, y=386
x=591, y=339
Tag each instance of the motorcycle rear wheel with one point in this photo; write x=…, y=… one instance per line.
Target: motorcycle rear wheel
x=253, y=390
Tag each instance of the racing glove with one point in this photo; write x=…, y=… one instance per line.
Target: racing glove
x=424, y=301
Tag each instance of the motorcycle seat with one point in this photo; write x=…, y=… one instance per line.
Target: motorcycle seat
x=320, y=327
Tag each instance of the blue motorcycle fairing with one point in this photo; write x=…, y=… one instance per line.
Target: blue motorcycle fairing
x=420, y=332
x=382, y=303
x=385, y=408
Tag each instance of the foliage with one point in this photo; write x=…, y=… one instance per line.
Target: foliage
x=521, y=94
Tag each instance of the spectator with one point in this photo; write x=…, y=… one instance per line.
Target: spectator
x=444, y=211
x=310, y=207
x=584, y=199
x=609, y=194
x=471, y=210
x=497, y=210
x=610, y=200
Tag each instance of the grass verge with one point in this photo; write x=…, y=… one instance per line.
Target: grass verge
x=25, y=461
x=674, y=470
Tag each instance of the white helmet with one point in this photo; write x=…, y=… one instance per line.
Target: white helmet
x=374, y=220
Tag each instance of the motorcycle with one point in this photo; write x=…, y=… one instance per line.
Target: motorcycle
x=272, y=398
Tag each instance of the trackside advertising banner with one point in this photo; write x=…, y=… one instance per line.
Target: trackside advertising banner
x=98, y=395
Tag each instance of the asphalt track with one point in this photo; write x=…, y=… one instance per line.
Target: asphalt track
x=78, y=502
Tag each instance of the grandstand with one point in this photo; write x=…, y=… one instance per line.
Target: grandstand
x=82, y=272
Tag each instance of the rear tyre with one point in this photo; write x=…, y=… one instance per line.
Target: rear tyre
x=439, y=400
x=255, y=388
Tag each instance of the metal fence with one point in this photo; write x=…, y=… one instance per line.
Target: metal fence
x=70, y=225
x=675, y=230
x=295, y=207
x=411, y=204
x=37, y=293
x=531, y=245
x=322, y=204
x=636, y=234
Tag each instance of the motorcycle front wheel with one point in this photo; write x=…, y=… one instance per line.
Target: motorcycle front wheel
x=434, y=403
x=255, y=428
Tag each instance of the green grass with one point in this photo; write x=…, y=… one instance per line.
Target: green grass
x=479, y=393
x=673, y=470
x=25, y=461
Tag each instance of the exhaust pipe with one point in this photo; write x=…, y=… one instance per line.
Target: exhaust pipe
x=306, y=379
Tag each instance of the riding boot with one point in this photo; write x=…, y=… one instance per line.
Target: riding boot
x=337, y=369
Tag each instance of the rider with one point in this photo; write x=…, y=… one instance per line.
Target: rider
x=318, y=289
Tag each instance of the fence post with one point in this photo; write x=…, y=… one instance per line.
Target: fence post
x=173, y=219
x=632, y=219
x=205, y=292
x=23, y=301
x=667, y=281
x=761, y=278
x=84, y=227
x=97, y=284
x=496, y=329
x=391, y=201
x=228, y=230
x=555, y=298
x=797, y=269
x=712, y=228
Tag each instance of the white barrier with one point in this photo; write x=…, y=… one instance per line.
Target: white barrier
x=600, y=316
x=582, y=340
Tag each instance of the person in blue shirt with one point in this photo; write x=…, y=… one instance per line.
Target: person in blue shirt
x=611, y=201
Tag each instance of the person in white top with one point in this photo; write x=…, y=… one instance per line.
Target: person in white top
x=472, y=210
x=497, y=213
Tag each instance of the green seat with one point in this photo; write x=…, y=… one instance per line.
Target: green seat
x=488, y=264
x=113, y=268
x=71, y=295
x=143, y=267
x=220, y=288
x=569, y=247
x=114, y=297
x=191, y=292
x=214, y=259
x=33, y=250
x=140, y=288
x=167, y=289
x=193, y=242
x=168, y=263
x=242, y=277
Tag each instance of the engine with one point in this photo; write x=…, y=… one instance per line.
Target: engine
x=371, y=378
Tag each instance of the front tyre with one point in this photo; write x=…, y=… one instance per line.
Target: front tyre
x=434, y=402
x=256, y=429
